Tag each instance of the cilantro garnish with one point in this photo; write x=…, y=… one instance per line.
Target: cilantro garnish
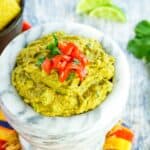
x=40, y=60
x=76, y=61
x=53, y=47
x=139, y=46
x=71, y=76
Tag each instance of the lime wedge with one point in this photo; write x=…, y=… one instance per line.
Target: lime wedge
x=84, y=6
x=109, y=12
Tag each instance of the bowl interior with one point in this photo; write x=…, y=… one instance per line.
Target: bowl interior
x=103, y=116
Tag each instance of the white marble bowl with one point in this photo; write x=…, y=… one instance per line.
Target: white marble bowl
x=76, y=132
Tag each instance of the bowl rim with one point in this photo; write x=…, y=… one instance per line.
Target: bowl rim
x=12, y=25
x=104, y=104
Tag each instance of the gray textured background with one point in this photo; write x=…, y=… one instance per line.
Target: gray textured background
x=137, y=113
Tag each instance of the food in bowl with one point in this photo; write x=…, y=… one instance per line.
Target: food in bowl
x=9, y=9
x=38, y=81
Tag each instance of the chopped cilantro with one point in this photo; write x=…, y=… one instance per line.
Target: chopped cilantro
x=139, y=46
x=76, y=61
x=71, y=76
x=55, y=40
x=40, y=60
x=53, y=47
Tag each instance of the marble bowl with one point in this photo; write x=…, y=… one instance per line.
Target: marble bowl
x=82, y=132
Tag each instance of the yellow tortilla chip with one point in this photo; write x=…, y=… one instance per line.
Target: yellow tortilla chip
x=113, y=143
x=18, y=1
x=9, y=9
x=2, y=117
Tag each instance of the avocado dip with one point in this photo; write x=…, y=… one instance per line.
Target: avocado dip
x=50, y=97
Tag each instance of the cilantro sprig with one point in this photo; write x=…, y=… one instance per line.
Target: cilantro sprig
x=71, y=76
x=139, y=46
x=53, y=47
x=53, y=50
x=40, y=60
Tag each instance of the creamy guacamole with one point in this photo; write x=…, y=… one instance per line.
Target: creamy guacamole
x=50, y=97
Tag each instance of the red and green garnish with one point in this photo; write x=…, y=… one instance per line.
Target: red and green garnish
x=53, y=47
x=40, y=61
x=66, y=59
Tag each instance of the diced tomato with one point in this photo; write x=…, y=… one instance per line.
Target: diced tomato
x=59, y=58
x=26, y=26
x=72, y=66
x=64, y=74
x=81, y=72
x=68, y=49
x=65, y=62
x=61, y=65
x=75, y=53
x=124, y=133
x=47, y=66
x=82, y=59
x=62, y=46
x=3, y=145
x=60, y=61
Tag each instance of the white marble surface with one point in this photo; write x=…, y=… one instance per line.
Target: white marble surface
x=82, y=131
x=137, y=113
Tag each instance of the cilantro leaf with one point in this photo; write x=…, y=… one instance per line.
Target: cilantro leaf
x=40, y=60
x=55, y=51
x=71, y=76
x=50, y=46
x=76, y=61
x=142, y=29
x=139, y=46
x=53, y=47
x=55, y=40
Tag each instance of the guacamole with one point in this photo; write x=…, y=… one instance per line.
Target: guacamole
x=50, y=97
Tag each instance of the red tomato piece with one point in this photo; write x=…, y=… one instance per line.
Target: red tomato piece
x=47, y=66
x=72, y=66
x=64, y=74
x=81, y=72
x=82, y=59
x=61, y=65
x=64, y=63
x=3, y=145
x=57, y=60
x=124, y=133
x=26, y=26
x=79, y=69
x=75, y=53
x=68, y=48
x=62, y=46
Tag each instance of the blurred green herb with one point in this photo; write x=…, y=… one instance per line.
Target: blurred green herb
x=140, y=45
x=71, y=76
x=76, y=61
x=40, y=60
x=53, y=47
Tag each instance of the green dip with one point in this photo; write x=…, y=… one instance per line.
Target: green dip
x=50, y=97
